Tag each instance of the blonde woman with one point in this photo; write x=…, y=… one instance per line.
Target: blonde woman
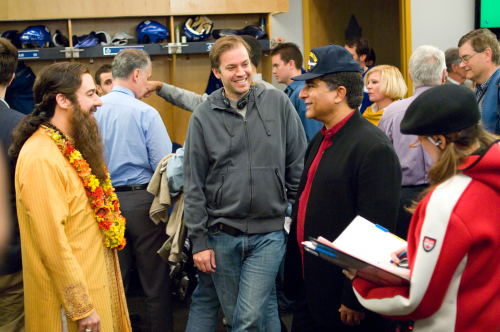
x=385, y=85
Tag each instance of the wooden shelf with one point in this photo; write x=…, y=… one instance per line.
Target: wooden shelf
x=188, y=69
x=53, y=53
x=58, y=53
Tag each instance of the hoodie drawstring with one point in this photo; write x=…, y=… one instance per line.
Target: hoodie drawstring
x=268, y=132
x=226, y=124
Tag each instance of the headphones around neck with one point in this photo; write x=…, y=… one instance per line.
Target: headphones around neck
x=240, y=104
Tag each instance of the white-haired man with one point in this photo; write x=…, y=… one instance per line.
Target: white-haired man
x=136, y=140
x=427, y=69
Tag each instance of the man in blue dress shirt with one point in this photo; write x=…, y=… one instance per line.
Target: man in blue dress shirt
x=287, y=63
x=135, y=142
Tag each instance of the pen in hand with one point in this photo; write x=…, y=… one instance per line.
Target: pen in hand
x=403, y=261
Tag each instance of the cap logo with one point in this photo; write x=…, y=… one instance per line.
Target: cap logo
x=313, y=61
x=429, y=244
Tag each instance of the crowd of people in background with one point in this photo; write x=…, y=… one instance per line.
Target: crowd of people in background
x=260, y=172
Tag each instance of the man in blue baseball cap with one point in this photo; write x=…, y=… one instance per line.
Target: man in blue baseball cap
x=351, y=169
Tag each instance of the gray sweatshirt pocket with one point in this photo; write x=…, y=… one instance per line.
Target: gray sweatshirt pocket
x=268, y=192
x=232, y=197
x=258, y=192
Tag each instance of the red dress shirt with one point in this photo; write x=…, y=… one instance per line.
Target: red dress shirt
x=301, y=215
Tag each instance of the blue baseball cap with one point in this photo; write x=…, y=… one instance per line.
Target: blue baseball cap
x=328, y=59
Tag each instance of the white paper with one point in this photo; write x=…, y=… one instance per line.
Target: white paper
x=364, y=240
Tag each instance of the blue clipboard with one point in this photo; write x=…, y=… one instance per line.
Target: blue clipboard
x=364, y=270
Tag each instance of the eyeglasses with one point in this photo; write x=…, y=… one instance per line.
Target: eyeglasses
x=419, y=141
x=416, y=143
x=466, y=58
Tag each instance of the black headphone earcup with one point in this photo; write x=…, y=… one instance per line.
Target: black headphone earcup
x=242, y=103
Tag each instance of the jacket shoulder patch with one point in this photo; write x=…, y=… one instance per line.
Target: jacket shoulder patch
x=429, y=243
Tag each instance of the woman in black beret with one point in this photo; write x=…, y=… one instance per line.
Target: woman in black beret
x=454, y=236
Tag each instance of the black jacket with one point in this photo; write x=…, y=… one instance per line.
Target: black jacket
x=359, y=174
x=8, y=121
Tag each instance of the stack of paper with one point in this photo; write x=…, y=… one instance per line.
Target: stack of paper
x=365, y=247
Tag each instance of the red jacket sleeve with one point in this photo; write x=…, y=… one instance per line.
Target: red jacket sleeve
x=438, y=243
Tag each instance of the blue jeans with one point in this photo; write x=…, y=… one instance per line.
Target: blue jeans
x=205, y=307
x=245, y=276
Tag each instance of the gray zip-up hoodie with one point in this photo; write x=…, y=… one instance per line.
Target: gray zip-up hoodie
x=241, y=171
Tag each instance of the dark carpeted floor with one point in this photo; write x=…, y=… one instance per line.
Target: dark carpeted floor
x=135, y=300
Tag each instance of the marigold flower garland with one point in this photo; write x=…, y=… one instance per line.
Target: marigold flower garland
x=102, y=197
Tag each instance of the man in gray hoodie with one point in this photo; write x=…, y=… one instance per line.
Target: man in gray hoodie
x=204, y=311
x=243, y=159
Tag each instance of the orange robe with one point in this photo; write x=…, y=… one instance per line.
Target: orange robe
x=65, y=261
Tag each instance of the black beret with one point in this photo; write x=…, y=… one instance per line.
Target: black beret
x=441, y=110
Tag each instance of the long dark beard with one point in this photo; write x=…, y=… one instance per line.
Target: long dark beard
x=88, y=140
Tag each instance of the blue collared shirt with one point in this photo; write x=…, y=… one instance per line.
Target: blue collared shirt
x=135, y=138
x=366, y=97
x=311, y=126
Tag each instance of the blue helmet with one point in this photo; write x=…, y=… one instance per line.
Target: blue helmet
x=84, y=41
x=151, y=32
x=197, y=28
x=12, y=36
x=254, y=31
x=35, y=35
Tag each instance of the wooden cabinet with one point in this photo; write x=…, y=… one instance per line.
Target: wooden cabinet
x=189, y=70
x=61, y=9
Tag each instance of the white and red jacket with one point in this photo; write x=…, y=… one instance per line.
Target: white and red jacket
x=453, y=254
